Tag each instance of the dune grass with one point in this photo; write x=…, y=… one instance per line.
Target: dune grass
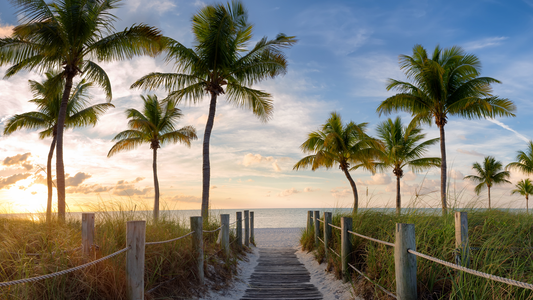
x=507, y=237
x=168, y=267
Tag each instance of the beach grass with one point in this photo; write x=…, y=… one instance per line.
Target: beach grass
x=168, y=267
x=505, y=238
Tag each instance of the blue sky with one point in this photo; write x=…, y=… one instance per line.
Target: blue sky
x=346, y=52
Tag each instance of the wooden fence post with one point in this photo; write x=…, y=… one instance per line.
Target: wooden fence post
x=247, y=228
x=346, y=246
x=87, y=232
x=461, y=237
x=135, y=239
x=309, y=221
x=252, y=238
x=404, y=262
x=317, y=227
x=238, y=230
x=224, y=234
x=327, y=231
x=198, y=247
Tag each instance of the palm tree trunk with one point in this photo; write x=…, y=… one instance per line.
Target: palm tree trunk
x=60, y=167
x=49, y=181
x=354, y=188
x=398, y=197
x=443, y=171
x=527, y=205
x=156, y=187
x=206, y=169
x=488, y=188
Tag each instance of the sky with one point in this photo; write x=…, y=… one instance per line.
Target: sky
x=345, y=53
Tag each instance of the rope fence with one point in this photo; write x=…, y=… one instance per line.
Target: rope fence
x=210, y=231
x=335, y=226
x=168, y=241
x=371, y=239
x=372, y=281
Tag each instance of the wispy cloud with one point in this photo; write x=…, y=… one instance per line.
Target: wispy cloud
x=6, y=30
x=484, y=43
x=522, y=137
x=473, y=152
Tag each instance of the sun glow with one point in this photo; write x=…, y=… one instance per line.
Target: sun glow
x=25, y=197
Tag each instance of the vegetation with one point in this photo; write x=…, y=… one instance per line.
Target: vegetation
x=66, y=35
x=154, y=125
x=344, y=144
x=489, y=174
x=446, y=84
x=48, y=96
x=168, y=267
x=404, y=148
x=525, y=188
x=508, y=232
x=219, y=64
x=524, y=161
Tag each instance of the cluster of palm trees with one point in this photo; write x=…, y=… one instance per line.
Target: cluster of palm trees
x=66, y=38
x=444, y=84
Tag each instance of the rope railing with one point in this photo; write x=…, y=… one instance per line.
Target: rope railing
x=172, y=240
x=47, y=276
x=235, y=221
x=334, y=252
x=371, y=239
x=319, y=220
x=210, y=231
x=321, y=240
x=473, y=272
x=372, y=281
x=334, y=226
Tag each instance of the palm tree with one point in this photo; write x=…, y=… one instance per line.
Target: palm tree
x=219, y=64
x=443, y=85
x=344, y=144
x=67, y=34
x=524, y=161
x=488, y=175
x=48, y=96
x=404, y=148
x=154, y=125
x=525, y=188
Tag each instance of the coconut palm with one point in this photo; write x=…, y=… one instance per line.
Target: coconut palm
x=524, y=161
x=404, y=147
x=443, y=85
x=344, y=144
x=70, y=35
x=489, y=174
x=219, y=64
x=525, y=188
x=155, y=125
x=48, y=96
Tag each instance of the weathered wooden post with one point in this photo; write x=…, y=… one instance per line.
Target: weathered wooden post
x=224, y=234
x=135, y=239
x=346, y=246
x=461, y=237
x=327, y=231
x=309, y=221
x=247, y=228
x=317, y=227
x=238, y=229
x=87, y=232
x=198, y=247
x=252, y=238
x=405, y=262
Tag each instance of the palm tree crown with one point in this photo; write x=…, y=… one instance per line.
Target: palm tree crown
x=345, y=145
x=219, y=64
x=48, y=96
x=446, y=84
x=489, y=174
x=525, y=188
x=69, y=35
x=524, y=161
x=155, y=125
x=404, y=147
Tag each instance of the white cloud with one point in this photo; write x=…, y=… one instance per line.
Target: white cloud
x=288, y=192
x=377, y=179
x=484, y=43
x=309, y=190
x=472, y=152
x=6, y=30
x=341, y=193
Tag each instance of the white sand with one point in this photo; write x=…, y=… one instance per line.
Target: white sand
x=326, y=283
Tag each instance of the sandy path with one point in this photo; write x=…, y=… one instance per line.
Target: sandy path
x=326, y=283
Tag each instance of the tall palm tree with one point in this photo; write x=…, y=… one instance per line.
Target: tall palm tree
x=67, y=35
x=446, y=84
x=344, y=144
x=525, y=188
x=489, y=174
x=524, y=161
x=404, y=148
x=48, y=96
x=155, y=125
x=219, y=64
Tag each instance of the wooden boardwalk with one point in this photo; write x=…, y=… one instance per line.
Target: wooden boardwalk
x=279, y=275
